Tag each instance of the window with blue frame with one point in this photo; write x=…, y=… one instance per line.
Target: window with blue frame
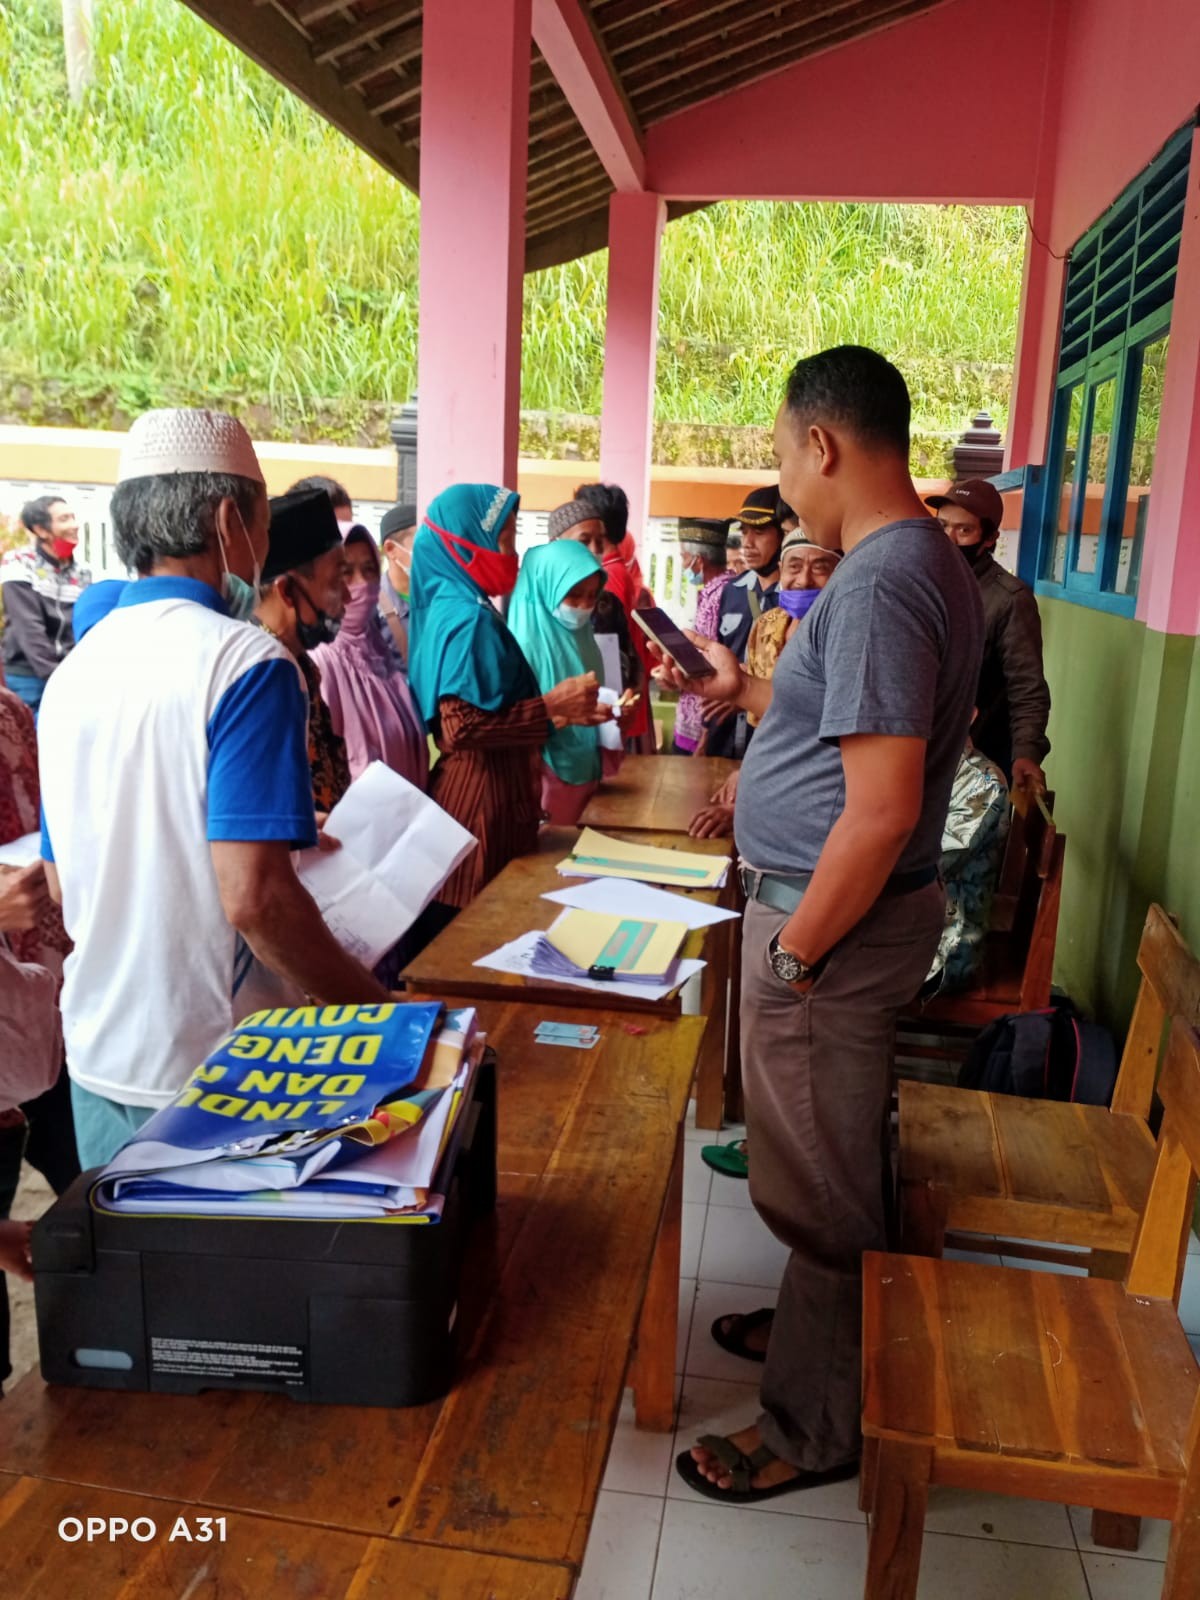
x=1108, y=391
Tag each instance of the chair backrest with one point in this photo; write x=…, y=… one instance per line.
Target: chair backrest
x=1159, y=1252
x=1026, y=864
x=1170, y=987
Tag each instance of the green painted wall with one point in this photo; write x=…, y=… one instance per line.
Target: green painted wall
x=1125, y=766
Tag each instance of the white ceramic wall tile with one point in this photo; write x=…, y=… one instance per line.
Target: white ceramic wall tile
x=623, y=1548
x=986, y=1516
x=1119, y=1578
x=693, y=1237
x=706, y=1358
x=711, y=1406
x=697, y=1178
x=707, y=1550
x=982, y=1569
x=739, y=1248
x=638, y=1461
x=1152, y=1546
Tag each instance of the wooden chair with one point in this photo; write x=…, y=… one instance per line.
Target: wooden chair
x=1040, y=1170
x=1074, y=1390
x=1018, y=956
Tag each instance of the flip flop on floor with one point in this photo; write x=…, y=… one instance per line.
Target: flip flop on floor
x=730, y=1331
x=742, y=1467
x=730, y=1160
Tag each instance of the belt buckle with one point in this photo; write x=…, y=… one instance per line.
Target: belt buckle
x=752, y=882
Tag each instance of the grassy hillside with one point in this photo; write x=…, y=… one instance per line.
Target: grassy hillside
x=194, y=233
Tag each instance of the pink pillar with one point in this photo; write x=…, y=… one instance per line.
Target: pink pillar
x=1037, y=337
x=474, y=151
x=1169, y=597
x=635, y=225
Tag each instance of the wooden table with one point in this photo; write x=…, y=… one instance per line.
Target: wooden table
x=512, y=904
x=486, y=1495
x=657, y=792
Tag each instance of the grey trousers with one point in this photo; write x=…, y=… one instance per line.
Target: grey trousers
x=817, y=1075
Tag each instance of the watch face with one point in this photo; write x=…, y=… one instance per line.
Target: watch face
x=787, y=967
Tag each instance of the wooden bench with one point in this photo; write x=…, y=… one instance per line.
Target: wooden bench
x=570, y=1291
x=1080, y=1391
x=512, y=904
x=1018, y=956
x=1042, y=1170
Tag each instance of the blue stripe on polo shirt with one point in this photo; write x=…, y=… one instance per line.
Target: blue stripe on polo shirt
x=259, y=785
x=172, y=586
x=47, y=852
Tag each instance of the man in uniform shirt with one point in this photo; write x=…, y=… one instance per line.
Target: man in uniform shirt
x=1013, y=696
x=839, y=823
x=175, y=786
x=743, y=601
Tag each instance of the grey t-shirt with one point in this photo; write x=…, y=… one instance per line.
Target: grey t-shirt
x=892, y=645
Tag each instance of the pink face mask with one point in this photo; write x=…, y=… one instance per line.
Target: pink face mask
x=360, y=608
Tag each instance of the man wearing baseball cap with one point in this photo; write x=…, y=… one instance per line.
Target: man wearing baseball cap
x=1013, y=699
x=742, y=603
x=175, y=785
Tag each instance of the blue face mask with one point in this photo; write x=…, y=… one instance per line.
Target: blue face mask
x=695, y=577
x=574, y=617
x=798, y=602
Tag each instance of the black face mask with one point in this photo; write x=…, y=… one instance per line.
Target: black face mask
x=322, y=631
x=971, y=553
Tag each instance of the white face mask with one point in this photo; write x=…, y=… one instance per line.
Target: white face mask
x=574, y=617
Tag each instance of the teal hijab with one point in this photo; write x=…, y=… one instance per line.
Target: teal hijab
x=548, y=574
x=459, y=646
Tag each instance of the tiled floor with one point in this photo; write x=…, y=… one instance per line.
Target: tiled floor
x=654, y=1539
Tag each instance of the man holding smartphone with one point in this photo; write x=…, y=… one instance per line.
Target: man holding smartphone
x=839, y=818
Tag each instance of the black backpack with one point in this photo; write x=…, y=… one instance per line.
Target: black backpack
x=1056, y=1054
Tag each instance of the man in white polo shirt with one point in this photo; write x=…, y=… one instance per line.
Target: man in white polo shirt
x=175, y=784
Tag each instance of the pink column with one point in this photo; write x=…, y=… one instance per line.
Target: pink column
x=635, y=224
x=1037, y=340
x=1169, y=597
x=474, y=150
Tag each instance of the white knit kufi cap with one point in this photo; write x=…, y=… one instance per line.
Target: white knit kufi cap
x=162, y=443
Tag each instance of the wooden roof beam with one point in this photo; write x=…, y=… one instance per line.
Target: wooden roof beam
x=564, y=34
x=285, y=55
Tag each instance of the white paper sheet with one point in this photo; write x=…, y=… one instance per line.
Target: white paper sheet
x=397, y=850
x=610, y=731
x=517, y=956
x=628, y=898
x=22, y=852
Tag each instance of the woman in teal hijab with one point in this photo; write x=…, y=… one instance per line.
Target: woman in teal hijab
x=476, y=691
x=551, y=618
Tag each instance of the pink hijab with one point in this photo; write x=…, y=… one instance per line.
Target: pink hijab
x=367, y=696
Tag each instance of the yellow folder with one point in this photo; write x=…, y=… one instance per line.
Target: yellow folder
x=597, y=856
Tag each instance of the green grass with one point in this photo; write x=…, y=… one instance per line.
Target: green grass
x=195, y=233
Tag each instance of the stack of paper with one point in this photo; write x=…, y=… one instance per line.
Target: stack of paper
x=596, y=855
x=322, y=1111
x=590, y=944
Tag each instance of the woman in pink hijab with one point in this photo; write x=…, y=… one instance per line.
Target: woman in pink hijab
x=367, y=696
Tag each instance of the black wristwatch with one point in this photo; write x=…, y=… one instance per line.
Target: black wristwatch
x=789, y=968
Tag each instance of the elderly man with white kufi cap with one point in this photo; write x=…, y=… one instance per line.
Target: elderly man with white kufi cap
x=175, y=784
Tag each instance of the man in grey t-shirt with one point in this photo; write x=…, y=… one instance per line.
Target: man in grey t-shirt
x=839, y=820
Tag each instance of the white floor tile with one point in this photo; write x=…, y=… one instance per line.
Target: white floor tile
x=1119, y=1578
x=1043, y=1266
x=982, y=1569
x=687, y=1299
x=1193, y=1243
x=622, y=1549
x=738, y=1248
x=1194, y=1340
x=710, y=1406
x=987, y=1516
x=1189, y=1299
x=638, y=1461
x=977, y=1257
x=707, y=1550
x=691, y=1131
x=697, y=1178
x=693, y=1237
x=1151, y=1547
x=730, y=1191
x=705, y=1358
x=737, y=1130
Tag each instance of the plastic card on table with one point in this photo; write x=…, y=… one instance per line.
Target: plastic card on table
x=596, y=855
